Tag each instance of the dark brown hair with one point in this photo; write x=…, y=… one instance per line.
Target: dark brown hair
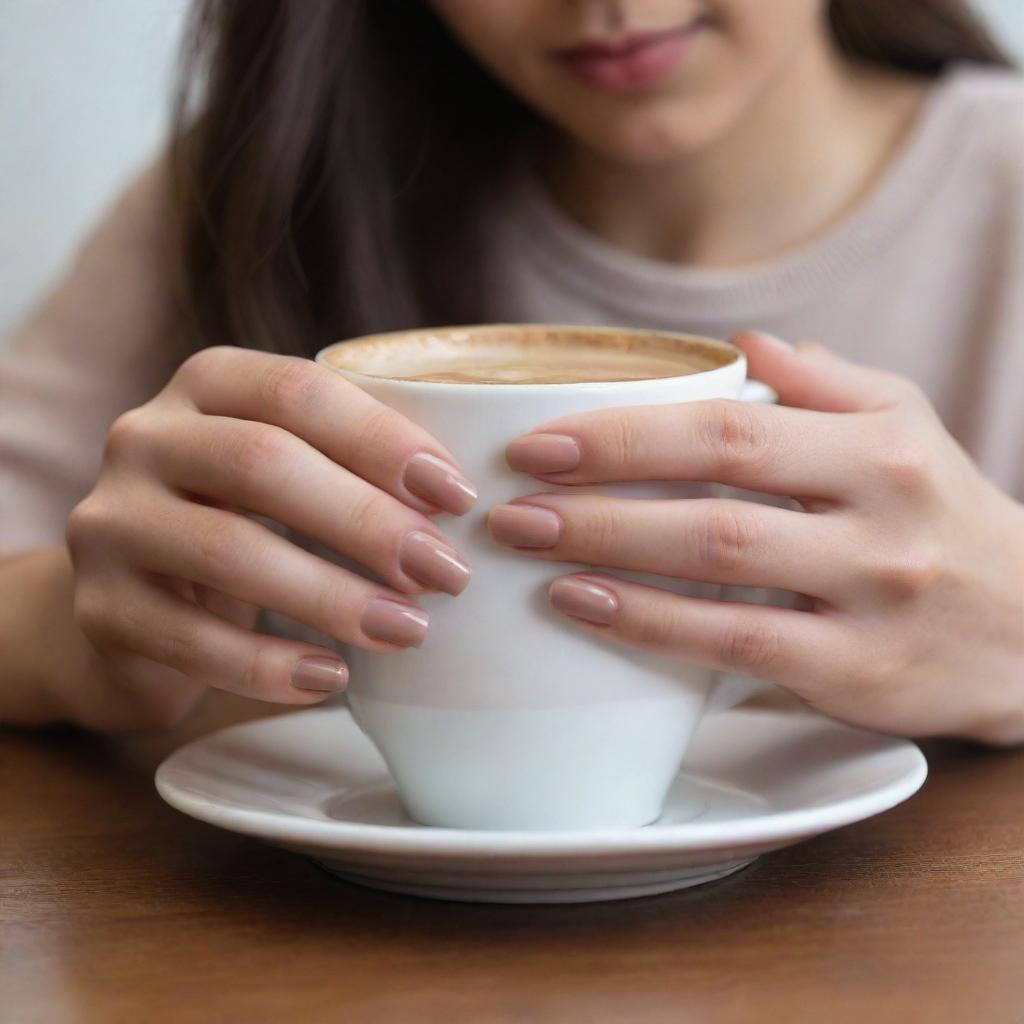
x=330, y=158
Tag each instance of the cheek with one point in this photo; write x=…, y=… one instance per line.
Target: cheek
x=766, y=33
x=489, y=28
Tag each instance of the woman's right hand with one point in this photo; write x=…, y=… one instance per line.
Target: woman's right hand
x=172, y=570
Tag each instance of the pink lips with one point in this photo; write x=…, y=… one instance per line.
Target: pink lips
x=631, y=64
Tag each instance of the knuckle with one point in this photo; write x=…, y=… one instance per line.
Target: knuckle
x=376, y=431
x=79, y=528
x=602, y=533
x=844, y=690
x=908, y=574
x=252, y=673
x=905, y=468
x=726, y=539
x=208, y=360
x=93, y=614
x=656, y=628
x=902, y=459
x=179, y=646
x=331, y=603
x=127, y=435
x=734, y=433
x=909, y=392
x=290, y=385
x=750, y=646
x=202, y=364
x=367, y=514
x=616, y=439
x=257, y=676
x=88, y=524
x=221, y=551
x=875, y=681
x=865, y=673
x=258, y=451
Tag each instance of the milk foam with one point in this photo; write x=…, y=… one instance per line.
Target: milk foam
x=526, y=354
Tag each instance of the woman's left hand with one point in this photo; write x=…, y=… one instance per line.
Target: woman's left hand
x=910, y=561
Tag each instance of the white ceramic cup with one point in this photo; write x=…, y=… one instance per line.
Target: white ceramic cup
x=510, y=716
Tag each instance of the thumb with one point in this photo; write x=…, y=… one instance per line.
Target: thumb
x=808, y=376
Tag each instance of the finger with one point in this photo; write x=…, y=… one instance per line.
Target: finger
x=757, y=447
x=273, y=473
x=240, y=557
x=809, y=376
x=796, y=649
x=733, y=542
x=223, y=606
x=334, y=416
x=132, y=617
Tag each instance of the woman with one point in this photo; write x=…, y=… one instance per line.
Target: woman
x=847, y=171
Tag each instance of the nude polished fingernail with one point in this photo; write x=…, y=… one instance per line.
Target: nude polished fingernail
x=440, y=483
x=583, y=599
x=524, y=526
x=325, y=675
x=537, y=454
x=433, y=564
x=394, y=622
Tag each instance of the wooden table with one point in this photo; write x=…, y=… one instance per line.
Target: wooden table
x=115, y=908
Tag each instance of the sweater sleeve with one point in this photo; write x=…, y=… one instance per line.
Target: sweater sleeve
x=96, y=346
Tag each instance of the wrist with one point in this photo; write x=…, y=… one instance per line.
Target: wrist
x=1005, y=726
x=32, y=583
x=51, y=673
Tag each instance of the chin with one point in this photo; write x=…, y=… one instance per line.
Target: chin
x=651, y=139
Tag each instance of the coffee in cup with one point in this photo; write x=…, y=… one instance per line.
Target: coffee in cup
x=520, y=355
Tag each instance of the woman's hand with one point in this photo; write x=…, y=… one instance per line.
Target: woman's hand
x=171, y=570
x=910, y=562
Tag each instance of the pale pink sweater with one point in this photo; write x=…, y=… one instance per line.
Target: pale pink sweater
x=926, y=278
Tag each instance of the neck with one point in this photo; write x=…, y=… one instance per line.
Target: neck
x=794, y=163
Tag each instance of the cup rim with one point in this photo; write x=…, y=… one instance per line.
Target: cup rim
x=736, y=357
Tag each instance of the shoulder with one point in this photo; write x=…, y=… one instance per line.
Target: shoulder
x=990, y=102
x=994, y=94
x=143, y=210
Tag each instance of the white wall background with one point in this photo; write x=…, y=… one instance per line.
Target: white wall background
x=84, y=97
x=1007, y=16
x=84, y=88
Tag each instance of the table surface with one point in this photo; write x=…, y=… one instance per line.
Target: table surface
x=114, y=907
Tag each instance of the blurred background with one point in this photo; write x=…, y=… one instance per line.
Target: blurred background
x=84, y=91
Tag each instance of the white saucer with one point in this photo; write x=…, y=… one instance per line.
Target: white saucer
x=311, y=782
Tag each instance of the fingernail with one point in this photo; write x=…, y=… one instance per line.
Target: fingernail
x=394, y=622
x=524, y=526
x=434, y=480
x=585, y=600
x=326, y=675
x=543, y=453
x=433, y=564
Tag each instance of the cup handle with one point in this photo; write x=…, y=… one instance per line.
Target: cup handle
x=728, y=690
x=758, y=391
